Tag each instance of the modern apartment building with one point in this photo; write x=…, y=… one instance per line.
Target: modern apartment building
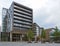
x=37, y=29
x=19, y=19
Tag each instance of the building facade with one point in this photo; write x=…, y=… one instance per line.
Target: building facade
x=19, y=19
x=49, y=32
x=37, y=29
x=4, y=19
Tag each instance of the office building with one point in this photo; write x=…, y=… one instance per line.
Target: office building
x=19, y=19
x=37, y=29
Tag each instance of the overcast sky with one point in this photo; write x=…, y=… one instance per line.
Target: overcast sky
x=46, y=13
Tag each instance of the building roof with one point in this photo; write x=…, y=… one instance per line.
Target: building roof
x=22, y=5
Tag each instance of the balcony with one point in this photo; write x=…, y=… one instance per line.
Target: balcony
x=22, y=22
x=23, y=19
x=22, y=25
x=22, y=12
x=23, y=16
x=22, y=8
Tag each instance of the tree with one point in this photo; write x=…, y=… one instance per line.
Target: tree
x=43, y=35
x=56, y=34
x=30, y=35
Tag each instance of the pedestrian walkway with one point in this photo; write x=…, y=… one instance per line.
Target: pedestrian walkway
x=27, y=44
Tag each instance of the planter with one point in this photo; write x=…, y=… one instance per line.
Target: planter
x=29, y=41
x=36, y=42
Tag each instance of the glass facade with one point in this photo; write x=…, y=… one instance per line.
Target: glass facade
x=4, y=19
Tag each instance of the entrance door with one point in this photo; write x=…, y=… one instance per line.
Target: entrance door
x=15, y=37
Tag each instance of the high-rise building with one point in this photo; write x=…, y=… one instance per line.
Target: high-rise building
x=19, y=19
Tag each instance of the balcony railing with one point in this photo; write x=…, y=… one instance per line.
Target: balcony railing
x=23, y=16
x=22, y=8
x=21, y=12
x=22, y=22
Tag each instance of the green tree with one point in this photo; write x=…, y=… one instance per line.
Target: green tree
x=30, y=35
x=43, y=34
x=56, y=34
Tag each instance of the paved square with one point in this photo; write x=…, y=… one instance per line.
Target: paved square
x=27, y=44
